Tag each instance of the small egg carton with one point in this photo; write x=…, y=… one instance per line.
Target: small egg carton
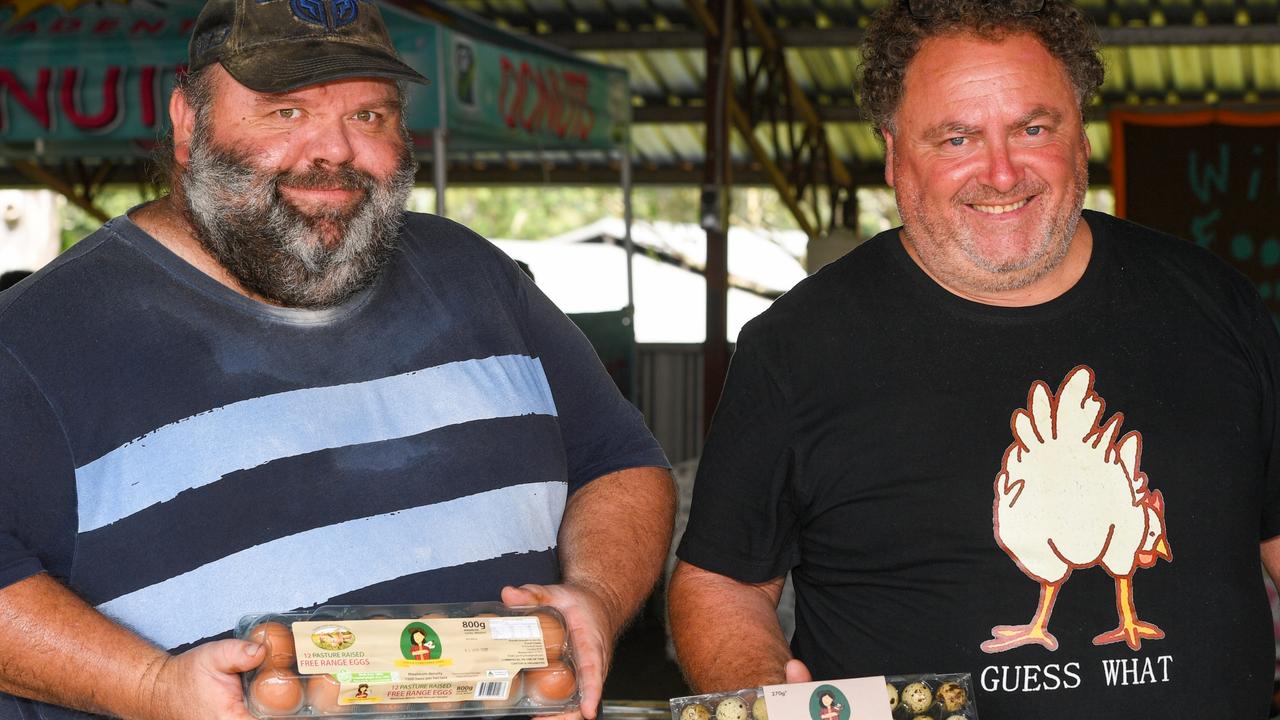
x=911, y=697
x=932, y=697
x=736, y=705
x=540, y=680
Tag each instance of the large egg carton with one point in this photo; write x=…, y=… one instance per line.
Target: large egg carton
x=280, y=688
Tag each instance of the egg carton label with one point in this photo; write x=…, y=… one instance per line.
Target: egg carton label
x=374, y=693
x=366, y=677
x=422, y=660
x=849, y=699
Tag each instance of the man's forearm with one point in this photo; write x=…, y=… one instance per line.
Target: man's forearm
x=614, y=539
x=1270, y=550
x=59, y=650
x=726, y=632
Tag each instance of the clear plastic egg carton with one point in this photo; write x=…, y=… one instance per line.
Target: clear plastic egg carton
x=737, y=705
x=411, y=662
x=932, y=697
x=910, y=697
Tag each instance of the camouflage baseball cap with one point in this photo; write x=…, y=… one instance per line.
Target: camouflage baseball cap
x=281, y=45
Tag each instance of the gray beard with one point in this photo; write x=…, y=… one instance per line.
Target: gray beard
x=274, y=249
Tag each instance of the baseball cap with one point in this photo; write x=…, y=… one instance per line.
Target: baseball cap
x=281, y=45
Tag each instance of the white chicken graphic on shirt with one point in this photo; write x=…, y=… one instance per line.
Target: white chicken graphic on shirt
x=1070, y=495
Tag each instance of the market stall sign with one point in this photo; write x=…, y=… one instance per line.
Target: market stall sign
x=1211, y=177
x=73, y=70
x=505, y=97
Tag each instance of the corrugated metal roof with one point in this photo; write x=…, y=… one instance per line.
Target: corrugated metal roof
x=1175, y=54
x=1165, y=53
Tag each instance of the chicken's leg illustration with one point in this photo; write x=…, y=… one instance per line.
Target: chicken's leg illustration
x=1005, y=637
x=1131, y=629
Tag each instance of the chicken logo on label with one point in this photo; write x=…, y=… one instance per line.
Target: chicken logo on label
x=1070, y=495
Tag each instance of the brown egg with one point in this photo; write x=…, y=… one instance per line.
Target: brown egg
x=274, y=692
x=550, y=685
x=279, y=642
x=552, y=635
x=322, y=695
x=952, y=696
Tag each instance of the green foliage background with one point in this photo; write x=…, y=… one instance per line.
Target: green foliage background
x=514, y=212
x=540, y=212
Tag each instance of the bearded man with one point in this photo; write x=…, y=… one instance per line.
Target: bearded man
x=917, y=435
x=276, y=369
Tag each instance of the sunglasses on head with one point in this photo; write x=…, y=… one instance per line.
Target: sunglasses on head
x=925, y=9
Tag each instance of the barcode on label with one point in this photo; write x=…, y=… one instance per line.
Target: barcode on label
x=492, y=690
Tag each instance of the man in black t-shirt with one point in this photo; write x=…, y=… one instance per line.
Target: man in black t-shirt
x=1011, y=438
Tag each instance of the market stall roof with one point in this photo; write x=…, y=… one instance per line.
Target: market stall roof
x=85, y=81
x=1177, y=54
x=1161, y=54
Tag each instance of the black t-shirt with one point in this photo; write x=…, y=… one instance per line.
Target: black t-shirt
x=911, y=458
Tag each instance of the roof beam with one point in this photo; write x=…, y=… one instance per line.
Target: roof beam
x=600, y=41
x=688, y=111
x=503, y=174
x=656, y=113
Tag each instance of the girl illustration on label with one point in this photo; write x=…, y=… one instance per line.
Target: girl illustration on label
x=419, y=642
x=421, y=647
x=828, y=703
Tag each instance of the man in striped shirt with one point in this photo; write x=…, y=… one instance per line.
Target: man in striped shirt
x=275, y=389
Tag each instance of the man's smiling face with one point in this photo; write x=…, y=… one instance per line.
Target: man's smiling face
x=989, y=160
x=298, y=195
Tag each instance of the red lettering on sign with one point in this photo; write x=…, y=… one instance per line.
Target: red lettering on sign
x=32, y=96
x=29, y=26
x=578, y=86
x=147, y=26
x=106, y=26
x=508, y=78
x=147, y=90
x=560, y=103
x=65, y=25
x=110, y=100
x=529, y=76
x=186, y=27
x=36, y=103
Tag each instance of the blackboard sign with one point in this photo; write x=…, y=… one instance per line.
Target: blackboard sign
x=1210, y=177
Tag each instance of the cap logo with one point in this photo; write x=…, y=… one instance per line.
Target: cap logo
x=333, y=14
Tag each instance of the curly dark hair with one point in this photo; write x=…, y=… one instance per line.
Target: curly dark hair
x=894, y=37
